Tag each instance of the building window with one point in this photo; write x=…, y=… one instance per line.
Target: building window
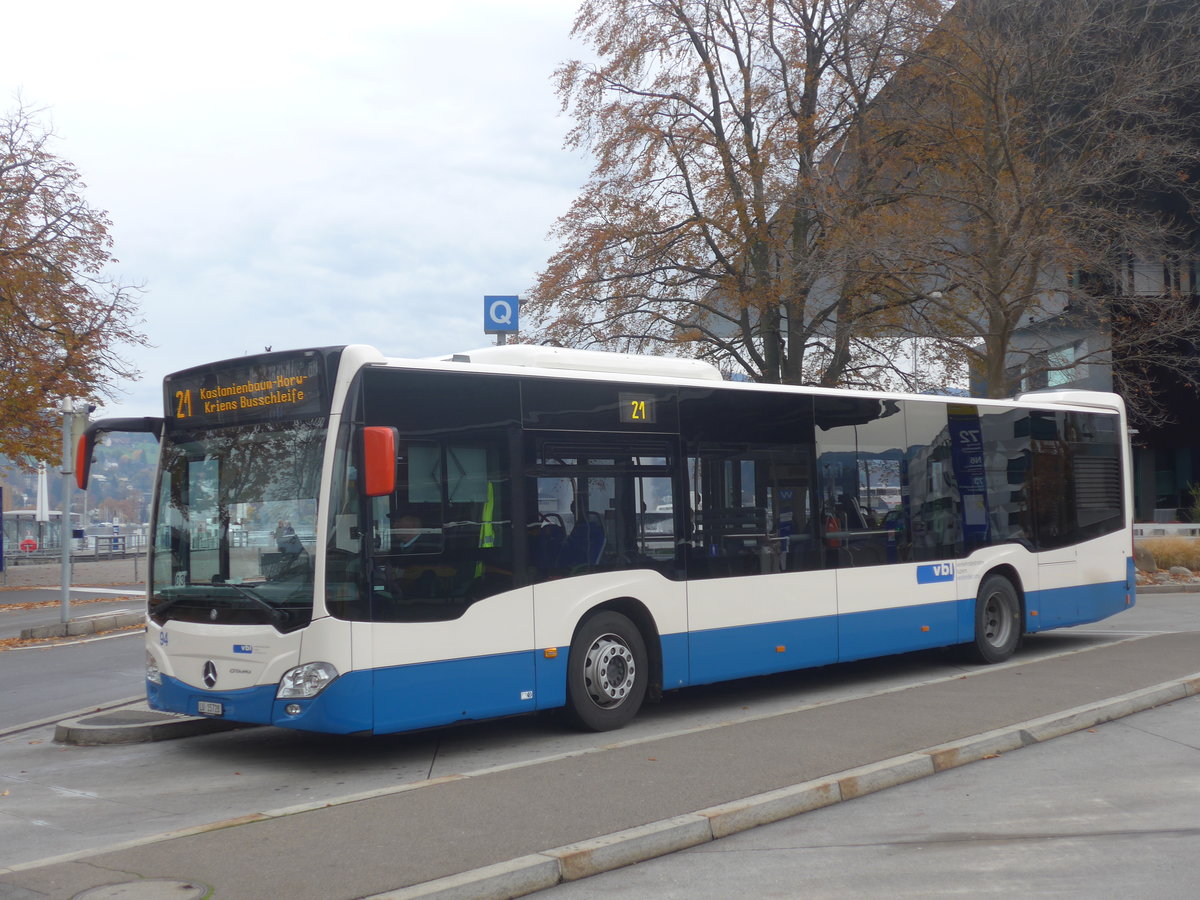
x=1063, y=366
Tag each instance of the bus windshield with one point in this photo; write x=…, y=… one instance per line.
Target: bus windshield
x=235, y=524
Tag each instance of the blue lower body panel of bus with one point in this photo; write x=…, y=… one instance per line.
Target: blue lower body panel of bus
x=344, y=707
x=382, y=701
x=1079, y=604
x=720, y=654
x=436, y=693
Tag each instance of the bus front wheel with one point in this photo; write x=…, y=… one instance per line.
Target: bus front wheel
x=607, y=672
x=997, y=621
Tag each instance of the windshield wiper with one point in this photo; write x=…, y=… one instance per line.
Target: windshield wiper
x=278, y=616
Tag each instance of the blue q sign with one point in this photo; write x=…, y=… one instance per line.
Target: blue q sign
x=500, y=315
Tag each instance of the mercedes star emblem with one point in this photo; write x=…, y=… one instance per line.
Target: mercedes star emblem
x=210, y=674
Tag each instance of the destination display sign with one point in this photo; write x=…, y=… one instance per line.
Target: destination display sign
x=255, y=390
x=637, y=409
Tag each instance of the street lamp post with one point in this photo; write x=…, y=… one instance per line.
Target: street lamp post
x=68, y=409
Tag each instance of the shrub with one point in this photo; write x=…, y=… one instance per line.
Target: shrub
x=1174, y=551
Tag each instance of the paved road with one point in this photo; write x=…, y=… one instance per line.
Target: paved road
x=98, y=669
x=26, y=608
x=57, y=681
x=437, y=803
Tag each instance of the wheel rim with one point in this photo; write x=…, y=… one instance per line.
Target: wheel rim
x=609, y=671
x=997, y=623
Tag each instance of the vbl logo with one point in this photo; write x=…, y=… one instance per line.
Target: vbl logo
x=935, y=572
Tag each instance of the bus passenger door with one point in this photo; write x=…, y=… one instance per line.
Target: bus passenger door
x=758, y=600
x=450, y=632
x=605, y=531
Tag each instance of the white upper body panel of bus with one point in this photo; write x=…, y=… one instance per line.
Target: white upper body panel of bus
x=538, y=357
x=1091, y=399
x=601, y=365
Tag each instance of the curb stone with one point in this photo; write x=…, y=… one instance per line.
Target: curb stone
x=514, y=878
x=773, y=806
x=137, y=725
x=78, y=627
x=1189, y=588
x=612, y=851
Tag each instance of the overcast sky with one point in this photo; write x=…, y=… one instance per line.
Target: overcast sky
x=306, y=174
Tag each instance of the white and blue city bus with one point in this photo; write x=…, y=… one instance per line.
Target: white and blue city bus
x=346, y=543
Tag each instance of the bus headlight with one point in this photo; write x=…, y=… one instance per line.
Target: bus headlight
x=305, y=681
x=153, y=675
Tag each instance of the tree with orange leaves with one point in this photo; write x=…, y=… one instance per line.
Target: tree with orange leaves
x=709, y=225
x=62, y=317
x=1053, y=156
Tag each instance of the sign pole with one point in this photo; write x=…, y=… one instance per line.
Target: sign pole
x=501, y=314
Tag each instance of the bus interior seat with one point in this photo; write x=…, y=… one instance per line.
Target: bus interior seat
x=548, y=540
x=585, y=544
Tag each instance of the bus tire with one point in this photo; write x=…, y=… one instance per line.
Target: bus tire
x=607, y=672
x=997, y=621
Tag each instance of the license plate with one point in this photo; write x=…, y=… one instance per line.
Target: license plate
x=210, y=708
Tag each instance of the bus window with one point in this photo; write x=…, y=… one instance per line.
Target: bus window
x=751, y=507
x=601, y=508
x=654, y=500
x=1075, y=479
x=935, y=505
x=1005, y=447
x=442, y=541
x=860, y=444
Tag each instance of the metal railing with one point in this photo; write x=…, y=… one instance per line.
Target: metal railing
x=101, y=546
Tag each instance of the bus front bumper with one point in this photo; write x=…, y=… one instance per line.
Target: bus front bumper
x=344, y=707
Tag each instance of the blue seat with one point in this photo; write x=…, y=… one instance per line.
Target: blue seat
x=585, y=544
x=547, y=545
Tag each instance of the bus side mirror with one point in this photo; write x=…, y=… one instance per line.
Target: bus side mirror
x=379, y=460
x=83, y=458
x=86, y=445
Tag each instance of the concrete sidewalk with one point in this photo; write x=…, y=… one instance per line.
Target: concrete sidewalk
x=84, y=571
x=517, y=829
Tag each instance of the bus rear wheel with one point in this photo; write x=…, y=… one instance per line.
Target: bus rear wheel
x=607, y=672
x=997, y=621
